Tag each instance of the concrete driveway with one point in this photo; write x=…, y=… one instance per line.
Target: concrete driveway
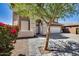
x=64, y=36
x=63, y=44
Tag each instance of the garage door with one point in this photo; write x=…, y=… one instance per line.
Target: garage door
x=55, y=29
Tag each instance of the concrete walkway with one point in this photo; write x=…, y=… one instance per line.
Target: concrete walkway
x=21, y=48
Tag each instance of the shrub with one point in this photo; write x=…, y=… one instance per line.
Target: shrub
x=8, y=34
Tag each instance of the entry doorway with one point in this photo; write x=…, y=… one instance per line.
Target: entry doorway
x=77, y=30
x=39, y=27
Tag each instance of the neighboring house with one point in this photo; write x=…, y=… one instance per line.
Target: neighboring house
x=74, y=29
x=30, y=28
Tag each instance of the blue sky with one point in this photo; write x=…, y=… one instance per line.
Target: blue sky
x=5, y=13
x=70, y=20
x=6, y=16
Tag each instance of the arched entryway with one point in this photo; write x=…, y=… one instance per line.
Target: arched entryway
x=39, y=27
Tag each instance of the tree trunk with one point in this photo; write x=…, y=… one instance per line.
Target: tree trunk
x=47, y=38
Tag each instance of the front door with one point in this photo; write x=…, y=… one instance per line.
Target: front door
x=38, y=27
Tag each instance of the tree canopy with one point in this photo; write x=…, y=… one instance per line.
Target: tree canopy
x=45, y=11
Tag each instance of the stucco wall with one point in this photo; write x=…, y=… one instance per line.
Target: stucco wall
x=72, y=29
x=24, y=25
x=33, y=26
x=15, y=19
x=44, y=29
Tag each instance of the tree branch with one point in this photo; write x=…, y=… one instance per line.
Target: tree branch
x=44, y=20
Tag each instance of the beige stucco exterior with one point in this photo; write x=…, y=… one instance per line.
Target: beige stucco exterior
x=23, y=25
x=15, y=19
x=73, y=29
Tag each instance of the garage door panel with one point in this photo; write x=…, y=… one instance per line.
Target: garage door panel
x=55, y=29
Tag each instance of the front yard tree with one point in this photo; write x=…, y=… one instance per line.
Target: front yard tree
x=48, y=12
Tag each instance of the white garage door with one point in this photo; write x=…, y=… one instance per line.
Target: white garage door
x=55, y=29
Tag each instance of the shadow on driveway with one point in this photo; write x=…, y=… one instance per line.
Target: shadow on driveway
x=57, y=36
x=69, y=47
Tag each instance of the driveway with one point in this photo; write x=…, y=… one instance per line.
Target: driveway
x=64, y=36
x=63, y=44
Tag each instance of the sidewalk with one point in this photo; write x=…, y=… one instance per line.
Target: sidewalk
x=21, y=47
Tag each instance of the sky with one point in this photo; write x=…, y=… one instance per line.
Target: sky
x=5, y=13
x=70, y=20
x=6, y=16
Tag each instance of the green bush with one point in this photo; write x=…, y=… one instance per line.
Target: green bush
x=8, y=34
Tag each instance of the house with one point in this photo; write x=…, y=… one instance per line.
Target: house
x=74, y=29
x=31, y=28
